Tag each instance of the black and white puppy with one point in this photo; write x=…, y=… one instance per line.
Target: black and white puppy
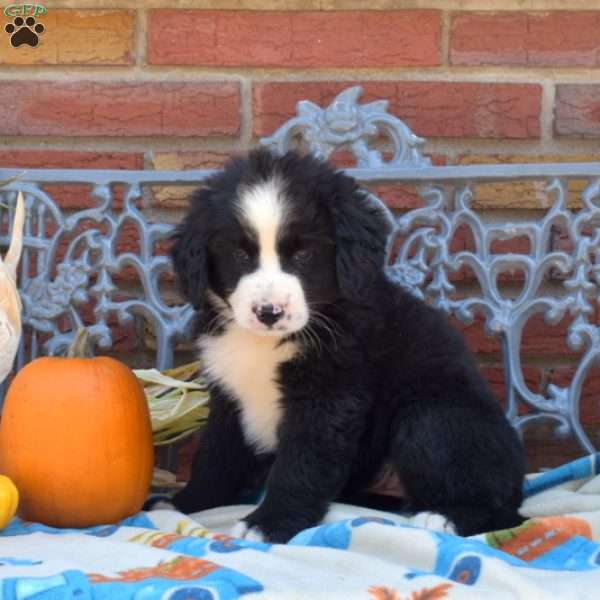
x=321, y=370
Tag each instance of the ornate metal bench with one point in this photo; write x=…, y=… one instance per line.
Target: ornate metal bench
x=74, y=260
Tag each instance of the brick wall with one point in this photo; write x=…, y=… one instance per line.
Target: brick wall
x=175, y=86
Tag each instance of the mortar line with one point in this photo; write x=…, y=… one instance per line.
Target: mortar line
x=246, y=117
x=446, y=20
x=547, y=111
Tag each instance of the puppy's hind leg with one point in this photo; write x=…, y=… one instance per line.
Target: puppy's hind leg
x=467, y=520
x=462, y=464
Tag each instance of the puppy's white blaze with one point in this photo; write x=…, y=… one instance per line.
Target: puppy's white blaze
x=264, y=210
x=246, y=366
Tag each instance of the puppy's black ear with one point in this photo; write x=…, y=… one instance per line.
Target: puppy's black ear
x=362, y=227
x=189, y=253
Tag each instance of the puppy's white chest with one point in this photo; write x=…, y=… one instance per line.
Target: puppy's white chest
x=246, y=365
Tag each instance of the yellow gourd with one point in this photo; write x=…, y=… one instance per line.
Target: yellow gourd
x=9, y=499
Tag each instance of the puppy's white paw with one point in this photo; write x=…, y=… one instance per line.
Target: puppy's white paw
x=241, y=531
x=433, y=522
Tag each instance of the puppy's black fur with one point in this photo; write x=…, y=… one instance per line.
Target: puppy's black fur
x=389, y=381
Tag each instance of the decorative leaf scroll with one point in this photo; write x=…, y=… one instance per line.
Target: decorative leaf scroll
x=347, y=124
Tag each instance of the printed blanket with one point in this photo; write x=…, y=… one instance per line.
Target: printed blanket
x=355, y=553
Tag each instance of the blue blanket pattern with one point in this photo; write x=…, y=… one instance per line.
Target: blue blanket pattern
x=168, y=556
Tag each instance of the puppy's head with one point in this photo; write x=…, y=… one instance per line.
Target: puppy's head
x=270, y=240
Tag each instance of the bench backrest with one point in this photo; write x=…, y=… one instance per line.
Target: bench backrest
x=78, y=259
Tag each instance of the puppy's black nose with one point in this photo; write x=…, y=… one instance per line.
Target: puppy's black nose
x=268, y=314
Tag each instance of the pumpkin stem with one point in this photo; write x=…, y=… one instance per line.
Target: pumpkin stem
x=80, y=347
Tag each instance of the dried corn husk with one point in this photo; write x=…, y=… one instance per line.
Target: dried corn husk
x=177, y=399
x=10, y=301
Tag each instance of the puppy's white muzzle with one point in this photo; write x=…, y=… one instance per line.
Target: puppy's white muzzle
x=269, y=303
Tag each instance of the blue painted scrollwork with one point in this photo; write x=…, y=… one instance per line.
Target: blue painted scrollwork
x=74, y=261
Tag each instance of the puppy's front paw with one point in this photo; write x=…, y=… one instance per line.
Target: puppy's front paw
x=158, y=503
x=433, y=521
x=273, y=529
x=243, y=531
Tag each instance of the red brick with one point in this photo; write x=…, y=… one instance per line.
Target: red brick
x=474, y=334
x=397, y=196
x=561, y=240
x=577, y=111
x=590, y=392
x=124, y=338
x=516, y=245
x=177, y=196
x=72, y=196
x=222, y=38
x=128, y=239
x=494, y=375
x=552, y=39
x=94, y=108
x=194, y=159
x=431, y=109
x=61, y=159
x=539, y=338
x=544, y=450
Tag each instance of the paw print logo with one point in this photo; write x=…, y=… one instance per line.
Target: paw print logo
x=24, y=31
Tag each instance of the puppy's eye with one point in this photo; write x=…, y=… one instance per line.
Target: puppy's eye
x=241, y=256
x=302, y=256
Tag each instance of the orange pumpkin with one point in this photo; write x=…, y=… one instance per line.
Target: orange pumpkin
x=76, y=438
